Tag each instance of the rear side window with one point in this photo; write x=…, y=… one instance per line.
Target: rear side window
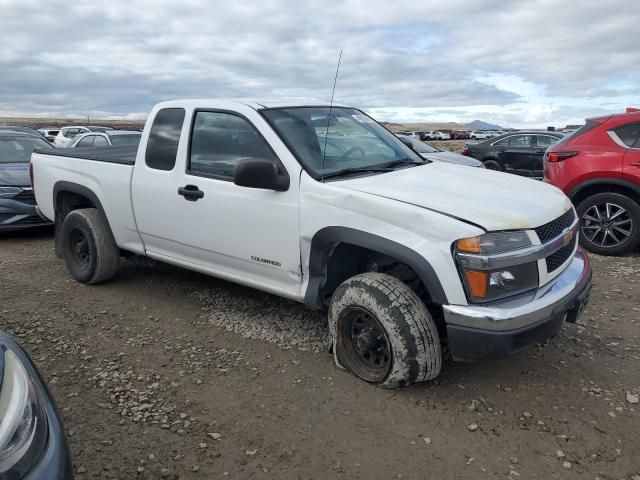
x=546, y=140
x=628, y=134
x=219, y=140
x=100, y=141
x=164, y=137
x=86, y=141
x=520, y=141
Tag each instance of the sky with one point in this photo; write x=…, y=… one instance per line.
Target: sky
x=516, y=63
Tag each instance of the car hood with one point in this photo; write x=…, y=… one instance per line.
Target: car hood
x=490, y=199
x=14, y=175
x=452, y=158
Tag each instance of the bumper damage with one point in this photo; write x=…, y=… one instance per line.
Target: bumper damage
x=480, y=332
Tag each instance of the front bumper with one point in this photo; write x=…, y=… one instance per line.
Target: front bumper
x=479, y=332
x=16, y=215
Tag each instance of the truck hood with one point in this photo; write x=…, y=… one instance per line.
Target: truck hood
x=14, y=175
x=452, y=158
x=490, y=199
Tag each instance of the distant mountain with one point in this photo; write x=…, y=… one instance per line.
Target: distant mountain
x=480, y=125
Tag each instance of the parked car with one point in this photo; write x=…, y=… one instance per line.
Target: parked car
x=17, y=202
x=598, y=167
x=50, y=135
x=21, y=129
x=32, y=440
x=65, y=136
x=460, y=135
x=435, y=135
x=479, y=135
x=520, y=153
x=445, y=134
x=429, y=152
x=402, y=253
x=109, y=138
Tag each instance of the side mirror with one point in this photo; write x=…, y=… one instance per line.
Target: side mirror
x=259, y=173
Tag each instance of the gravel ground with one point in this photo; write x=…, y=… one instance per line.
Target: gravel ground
x=165, y=373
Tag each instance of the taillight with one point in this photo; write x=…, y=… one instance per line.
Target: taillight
x=558, y=156
x=465, y=150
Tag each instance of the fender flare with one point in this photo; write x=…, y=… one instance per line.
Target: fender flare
x=604, y=181
x=64, y=186
x=326, y=238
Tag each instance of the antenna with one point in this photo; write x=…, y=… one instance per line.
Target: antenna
x=326, y=133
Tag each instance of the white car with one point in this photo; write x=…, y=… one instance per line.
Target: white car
x=65, y=136
x=405, y=255
x=109, y=138
x=480, y=135
x=50, y=135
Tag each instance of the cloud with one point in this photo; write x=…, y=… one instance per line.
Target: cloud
x=515, y=61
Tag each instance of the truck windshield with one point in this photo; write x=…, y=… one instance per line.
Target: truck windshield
x=351, y=143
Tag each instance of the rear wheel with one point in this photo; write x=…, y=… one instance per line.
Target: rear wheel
x=610, y=224
x=88, y=247
x=493, y=164
x=382, y=332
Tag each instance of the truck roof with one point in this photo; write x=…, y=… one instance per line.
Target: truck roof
x=234, y=104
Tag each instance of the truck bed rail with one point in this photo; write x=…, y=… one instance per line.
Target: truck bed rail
x=125, y=155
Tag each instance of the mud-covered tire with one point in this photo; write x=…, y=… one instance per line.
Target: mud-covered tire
x=412, y=334
x=88, y=247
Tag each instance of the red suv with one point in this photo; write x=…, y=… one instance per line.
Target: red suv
x=598, y=167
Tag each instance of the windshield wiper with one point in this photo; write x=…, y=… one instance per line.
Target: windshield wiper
x=348, y=171
x=385, y=167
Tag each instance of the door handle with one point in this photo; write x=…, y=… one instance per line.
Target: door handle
x=190, y=192
x=635, y=164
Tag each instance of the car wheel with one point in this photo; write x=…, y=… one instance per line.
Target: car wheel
x=493, y=164
x=382, y=332
x=610, y=224
x=88, y=247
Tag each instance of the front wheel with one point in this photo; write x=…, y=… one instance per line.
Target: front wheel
x=610, y=223
x=382, y=332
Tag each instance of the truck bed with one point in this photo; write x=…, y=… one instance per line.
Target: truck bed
x=125, y=155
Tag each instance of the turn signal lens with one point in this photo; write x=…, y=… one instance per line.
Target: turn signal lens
x=477, y=283
x=469, y=245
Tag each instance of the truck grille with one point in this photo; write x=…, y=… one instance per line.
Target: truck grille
x=26, y=196
x=554, y=228
x=556, y=259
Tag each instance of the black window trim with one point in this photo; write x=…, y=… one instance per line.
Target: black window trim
x=616, y=138
x=146, y=152
x=282, y=170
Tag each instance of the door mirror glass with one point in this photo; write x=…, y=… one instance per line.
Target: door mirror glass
x=259, y=173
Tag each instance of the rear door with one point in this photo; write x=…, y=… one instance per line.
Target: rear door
x=542, y=142
x=518, y=157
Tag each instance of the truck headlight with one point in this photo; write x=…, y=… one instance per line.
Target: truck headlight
x=492, y=243
x=484, y=284
x=23, y=422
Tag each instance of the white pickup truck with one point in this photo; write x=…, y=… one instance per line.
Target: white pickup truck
x=414, y=260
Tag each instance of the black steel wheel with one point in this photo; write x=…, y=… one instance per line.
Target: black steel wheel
x=610, y=223
x=79, y=248
x=367, y=350
x=382, y=332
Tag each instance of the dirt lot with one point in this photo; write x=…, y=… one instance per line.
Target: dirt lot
x=164, y=373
